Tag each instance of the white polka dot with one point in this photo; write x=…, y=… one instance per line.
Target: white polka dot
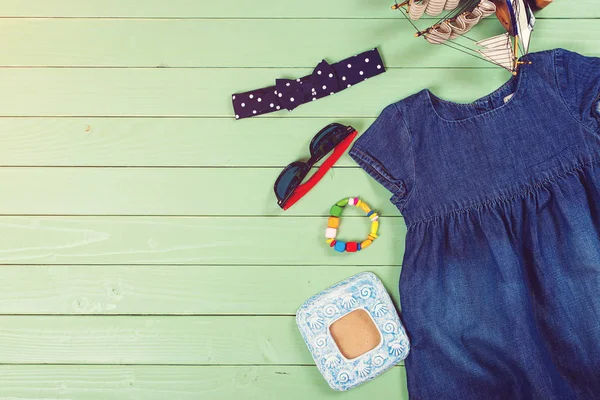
x=243, y=104
x=278, y=107
x=331, y=75
x=298, y=80
x=343, y=78
x=324, y=87
x=361, y=73
x=366, y=60
x=319, y=72
x=237, y=117
x=287, y=84
x=331, y=93
x=379, y=67
x=271, y=105
x=253, y=111
x=234, y=97
x=279, y=95
x=275, y=92
x=251, y=96
x=259, y=99
x=292, y=99
x=349, y=65
x=349, y=85
x=314, y=98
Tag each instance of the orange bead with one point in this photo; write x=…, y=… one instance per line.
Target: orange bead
x=333, y=222
x=365, y=244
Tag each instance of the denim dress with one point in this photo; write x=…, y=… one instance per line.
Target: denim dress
x=500, y=282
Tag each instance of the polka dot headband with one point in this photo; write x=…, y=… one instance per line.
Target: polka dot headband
x=325, y=80
x=334, y=223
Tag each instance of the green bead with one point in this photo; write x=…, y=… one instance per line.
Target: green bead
x=336, y=211
x=342, y=202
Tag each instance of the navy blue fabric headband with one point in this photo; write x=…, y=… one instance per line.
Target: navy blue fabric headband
x=326, y=79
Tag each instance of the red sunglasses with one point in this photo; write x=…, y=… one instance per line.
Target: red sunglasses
x=289, y=187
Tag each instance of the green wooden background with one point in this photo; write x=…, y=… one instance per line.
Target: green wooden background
x=143, y=255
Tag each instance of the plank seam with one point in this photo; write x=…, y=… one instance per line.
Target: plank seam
x=231, y=18
x=166, y=365
x=206, y=265
x=228, y=216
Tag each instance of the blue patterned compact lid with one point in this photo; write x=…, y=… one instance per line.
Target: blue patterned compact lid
x=363, y=291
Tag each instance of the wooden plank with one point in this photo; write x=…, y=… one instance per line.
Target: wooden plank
x=191, y=240
x=207, y=92
x=207, y=340
x=186, y=383
x=179, y=43
x=178, y=191
x=162, y=142
x=171, y=289
x=242, y=9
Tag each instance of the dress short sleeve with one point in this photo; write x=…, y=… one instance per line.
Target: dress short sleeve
x=385, y=152
x=578, y=80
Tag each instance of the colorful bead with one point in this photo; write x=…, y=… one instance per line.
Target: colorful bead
x=374, y=227
x=332, y=243
x=342, y=202
x=363, y=206
x=372, y=236
x=350, y=201
x=336, y=211
x=358, y=203
x=374, y=217
x=370, y=213
x=358, y=247
x=365, y=244
x=328, y=241
x=330, y=233
x=340, y=246
x=351, y=247
x=333, y=222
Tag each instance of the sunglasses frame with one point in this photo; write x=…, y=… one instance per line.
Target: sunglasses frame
x=345, y=131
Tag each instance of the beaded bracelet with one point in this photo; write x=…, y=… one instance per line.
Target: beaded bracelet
x=334, y=223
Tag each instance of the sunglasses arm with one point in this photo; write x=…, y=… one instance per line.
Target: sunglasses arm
x=304, y=188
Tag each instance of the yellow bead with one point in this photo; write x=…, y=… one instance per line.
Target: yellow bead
x=358, y=203
x=333, y=222
x=372, y=236
x=374, y=227
x=365, y=244
x=328, y=241
x=374, y=217
x=363, y=206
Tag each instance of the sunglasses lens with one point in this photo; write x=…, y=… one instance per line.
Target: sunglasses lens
x=289, y=179
x=327, y=139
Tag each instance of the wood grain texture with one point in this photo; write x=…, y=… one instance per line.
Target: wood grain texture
x=206, y=340
x=192, y=240
x=185, y=383
x=162, y=142
x=171, y=289
x=249, y=43
x=242, y=9
x=184, y=281
x=180, y=191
